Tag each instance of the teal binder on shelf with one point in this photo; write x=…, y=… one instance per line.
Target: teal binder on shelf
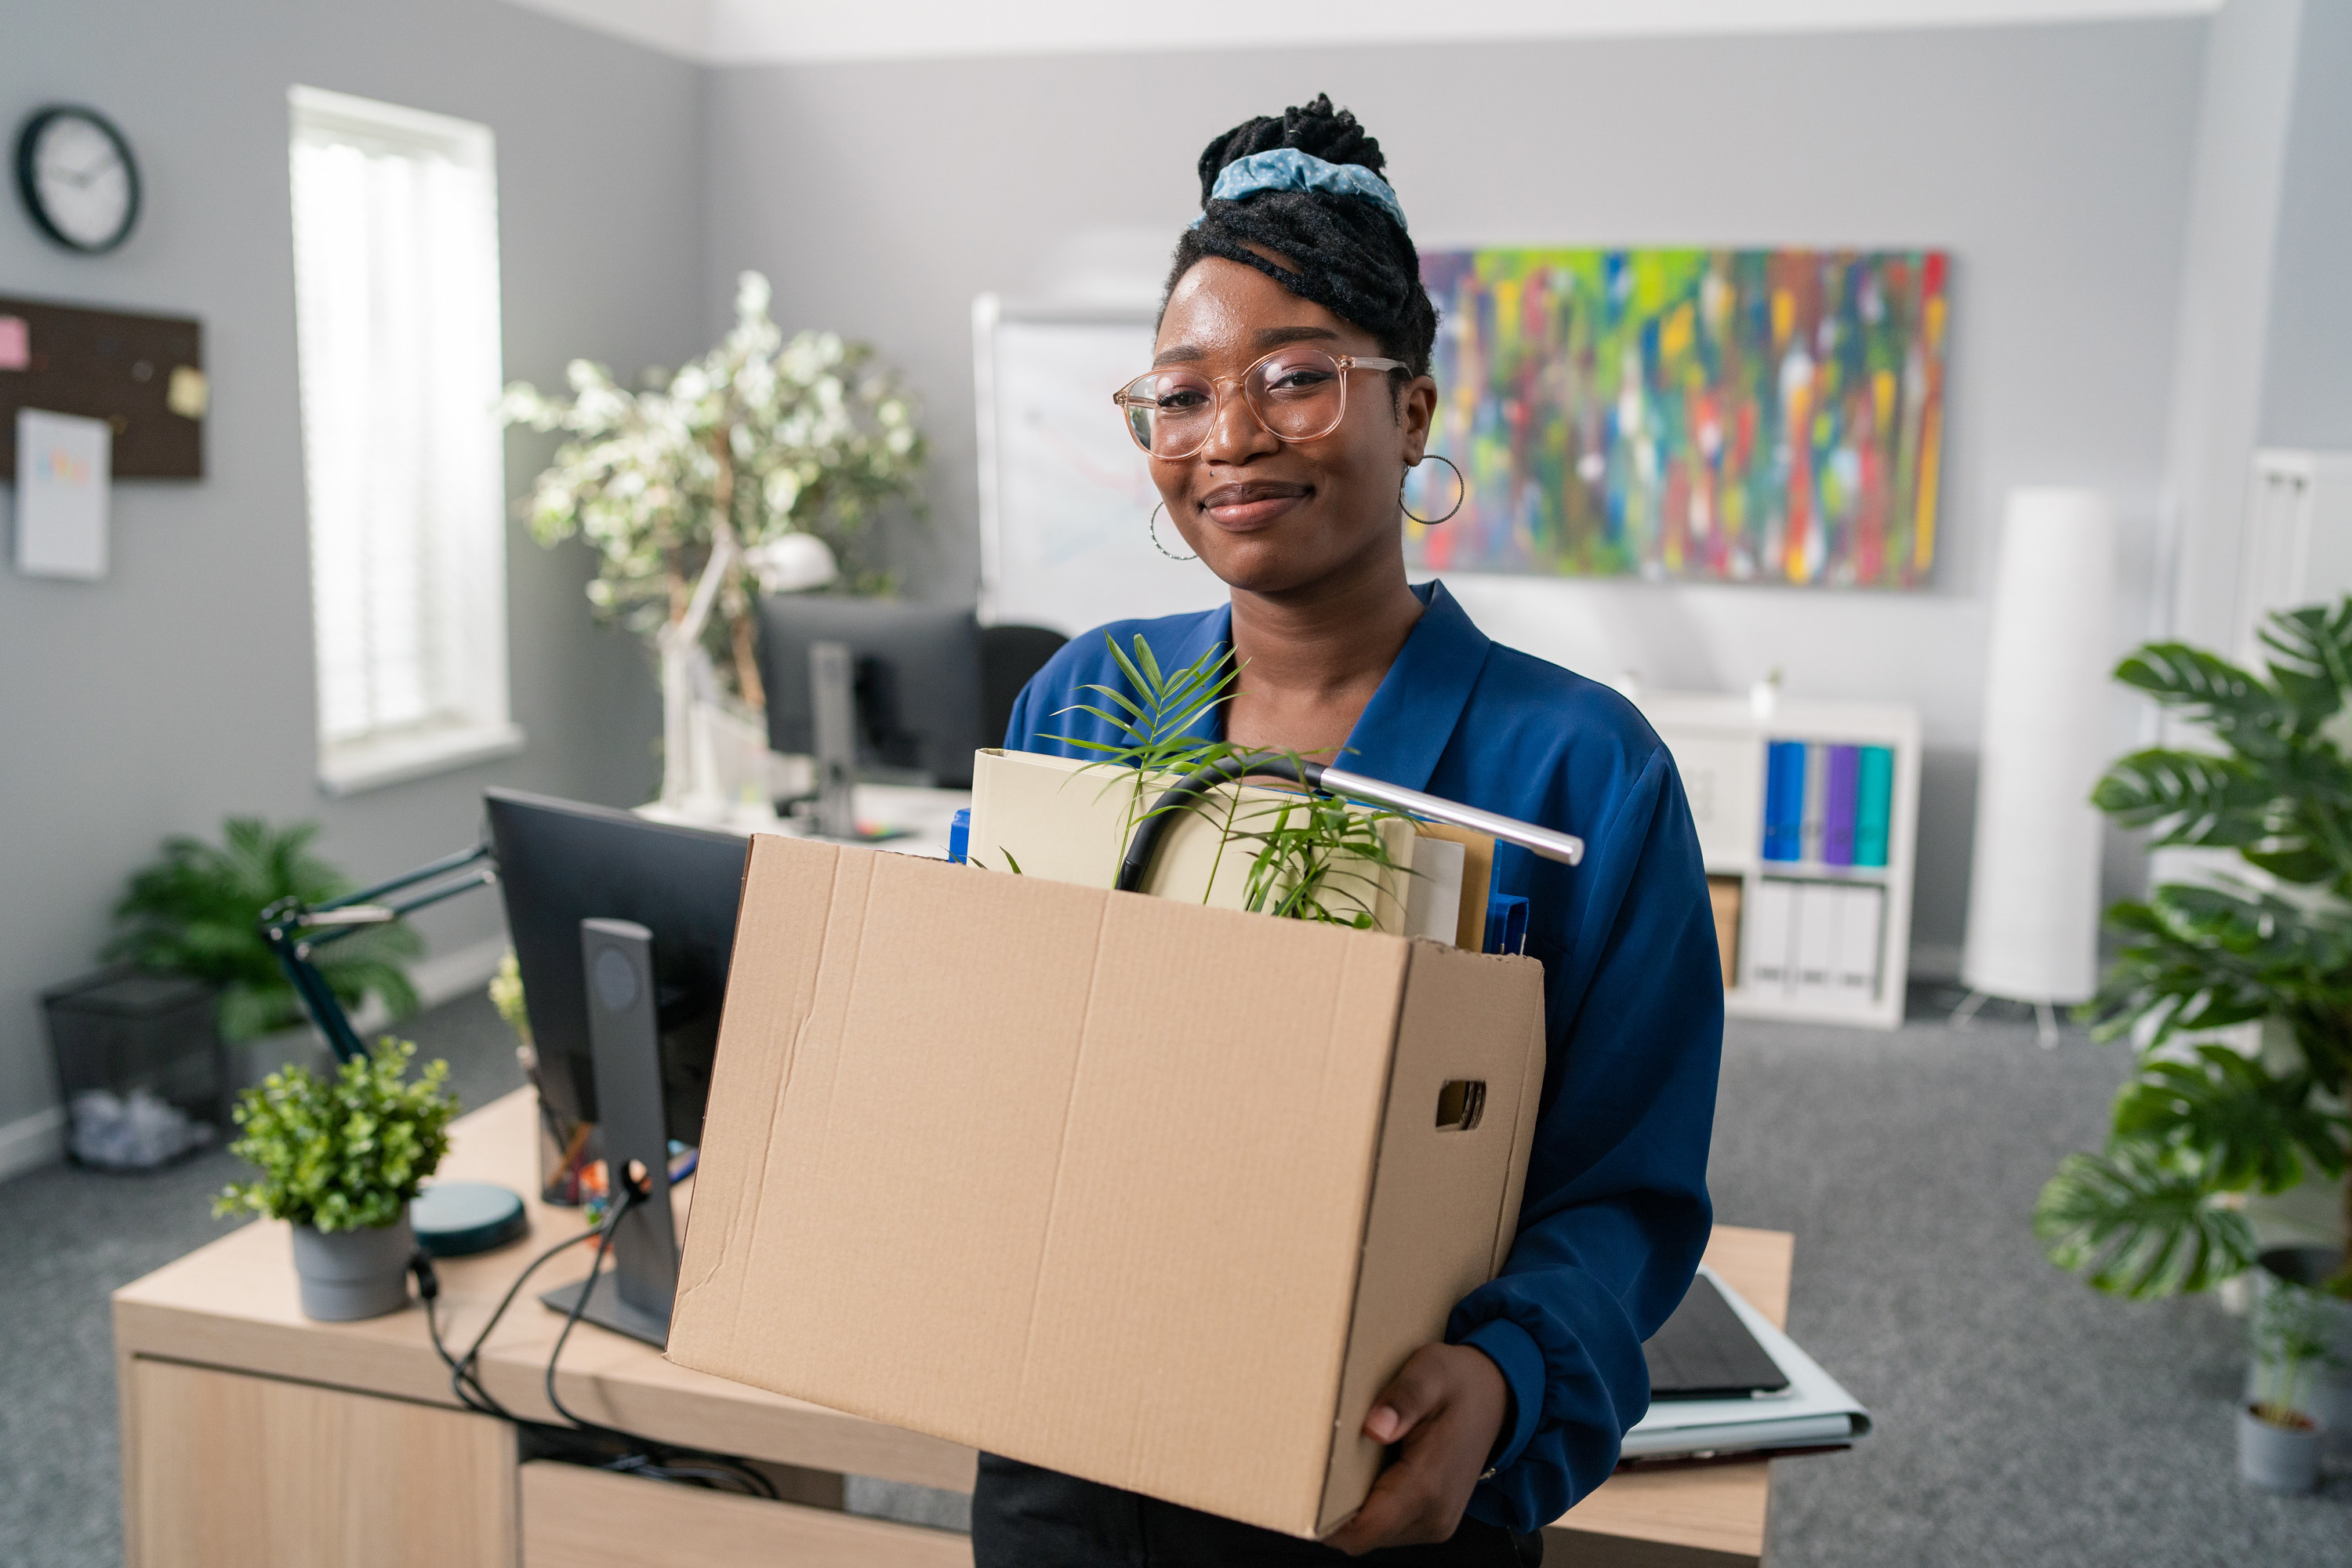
x=1874, y=805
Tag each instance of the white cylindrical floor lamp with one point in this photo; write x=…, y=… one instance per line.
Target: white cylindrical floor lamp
x=2033, y=888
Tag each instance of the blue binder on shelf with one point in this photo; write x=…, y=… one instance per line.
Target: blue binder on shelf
x=1784, y=801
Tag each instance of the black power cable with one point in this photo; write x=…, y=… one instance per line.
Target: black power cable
x=462, y=1375
x=641, y=1456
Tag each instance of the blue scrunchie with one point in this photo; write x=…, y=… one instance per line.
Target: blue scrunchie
x=1288, y=169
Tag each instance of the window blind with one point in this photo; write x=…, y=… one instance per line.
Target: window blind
x=397, y=289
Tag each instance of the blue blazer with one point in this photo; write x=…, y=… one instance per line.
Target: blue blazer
x=1616, y=1210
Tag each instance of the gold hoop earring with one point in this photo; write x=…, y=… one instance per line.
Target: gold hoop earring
x=1151, y=527
x=1461, y=493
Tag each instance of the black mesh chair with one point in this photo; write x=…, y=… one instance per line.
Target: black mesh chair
x=1009, y=656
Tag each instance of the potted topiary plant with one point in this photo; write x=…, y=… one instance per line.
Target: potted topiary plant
x=2278, y=1437
x=762, y=466
x=340, y=1159
x=197, y=911
x=2203, y=1124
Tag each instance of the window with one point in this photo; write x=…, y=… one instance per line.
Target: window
x=396, y=300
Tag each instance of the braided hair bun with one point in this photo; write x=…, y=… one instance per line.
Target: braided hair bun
x=1343, y=252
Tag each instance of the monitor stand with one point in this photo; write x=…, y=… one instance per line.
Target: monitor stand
x=833, y=706
x=625, y=1048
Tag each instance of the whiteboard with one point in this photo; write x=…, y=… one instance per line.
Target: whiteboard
x=1064, y=495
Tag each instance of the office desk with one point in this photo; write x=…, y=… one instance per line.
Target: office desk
x=923, y=816
x=251, y=1434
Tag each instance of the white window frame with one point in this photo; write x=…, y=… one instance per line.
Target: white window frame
x=456, y=710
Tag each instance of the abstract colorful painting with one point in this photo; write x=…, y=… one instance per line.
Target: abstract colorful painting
x=1721, y=416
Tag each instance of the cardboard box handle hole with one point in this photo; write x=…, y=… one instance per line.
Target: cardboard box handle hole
x=1460, y=1104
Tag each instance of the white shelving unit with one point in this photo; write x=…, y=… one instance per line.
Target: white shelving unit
x=1720, y=747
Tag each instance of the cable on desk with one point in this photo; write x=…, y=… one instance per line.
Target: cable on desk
x=658, y=1461
x=642, y=1456
x=462, y=1375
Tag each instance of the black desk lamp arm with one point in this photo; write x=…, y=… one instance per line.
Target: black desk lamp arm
x=294, y=930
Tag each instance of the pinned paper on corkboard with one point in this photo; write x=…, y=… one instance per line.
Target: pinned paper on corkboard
x=61, y=494
x=142, y=376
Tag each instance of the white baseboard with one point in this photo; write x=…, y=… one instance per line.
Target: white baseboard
x=439, y=978
x=33, y=1140
x=445, y=976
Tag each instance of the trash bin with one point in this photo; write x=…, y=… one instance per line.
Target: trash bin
x=140, y=1065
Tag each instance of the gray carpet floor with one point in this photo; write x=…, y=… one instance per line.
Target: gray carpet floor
x=2021, y=1419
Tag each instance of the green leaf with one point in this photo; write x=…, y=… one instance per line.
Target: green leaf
x=2207, y=798
x=2136, y=1226
x=2234, y=703
x=197, y=911
x=2311, y=658
x=2198, y=958
x=2240, y=1126
x=341, y=1152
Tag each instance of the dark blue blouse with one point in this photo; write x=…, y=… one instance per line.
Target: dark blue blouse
x=1616, y=1210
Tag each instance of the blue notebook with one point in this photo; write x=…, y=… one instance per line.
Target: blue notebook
x=1784, y=801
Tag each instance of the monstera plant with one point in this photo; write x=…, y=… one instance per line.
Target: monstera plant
x=2201, y=1123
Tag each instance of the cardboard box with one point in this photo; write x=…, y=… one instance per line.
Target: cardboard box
x=1146, y=1192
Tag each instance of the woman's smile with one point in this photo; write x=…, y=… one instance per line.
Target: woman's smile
x=1255, y=505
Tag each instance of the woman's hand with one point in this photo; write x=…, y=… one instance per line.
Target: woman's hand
x=1443, y=1413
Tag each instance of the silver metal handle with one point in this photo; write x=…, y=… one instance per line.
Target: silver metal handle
x=1565, y=847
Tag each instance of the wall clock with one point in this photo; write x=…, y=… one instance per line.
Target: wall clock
x=77, y=177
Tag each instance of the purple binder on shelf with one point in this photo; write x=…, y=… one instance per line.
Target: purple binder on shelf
x=1838, y=808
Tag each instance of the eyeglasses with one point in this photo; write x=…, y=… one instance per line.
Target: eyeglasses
x=1297, y=393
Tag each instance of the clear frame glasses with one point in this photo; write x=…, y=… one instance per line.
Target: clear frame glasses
x=1297, y=393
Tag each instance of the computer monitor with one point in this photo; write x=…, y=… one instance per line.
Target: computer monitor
x=918, y=683
x=562, y=862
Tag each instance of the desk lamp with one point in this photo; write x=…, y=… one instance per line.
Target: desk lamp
x=451, y=1218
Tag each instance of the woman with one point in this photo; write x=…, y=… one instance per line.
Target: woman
x=1289, y=394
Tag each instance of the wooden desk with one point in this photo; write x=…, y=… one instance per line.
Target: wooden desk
x=251, y=1434
x=1705, y=1517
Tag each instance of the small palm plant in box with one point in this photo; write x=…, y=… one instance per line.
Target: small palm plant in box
x=1311, y=857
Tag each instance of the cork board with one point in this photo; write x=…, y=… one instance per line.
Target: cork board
x=143, y=374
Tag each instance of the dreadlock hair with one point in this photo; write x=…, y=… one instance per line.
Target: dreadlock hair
x=1343, y=252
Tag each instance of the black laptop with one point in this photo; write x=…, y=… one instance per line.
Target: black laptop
x=1705, y=1351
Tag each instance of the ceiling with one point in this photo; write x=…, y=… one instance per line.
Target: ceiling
x=750, y=32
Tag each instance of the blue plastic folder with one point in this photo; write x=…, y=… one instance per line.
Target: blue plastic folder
x=1784, y=801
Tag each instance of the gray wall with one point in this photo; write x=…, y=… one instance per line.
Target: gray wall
x=2225, y=309
x=2053, y=161
x=2307, y=366
x=180, y=689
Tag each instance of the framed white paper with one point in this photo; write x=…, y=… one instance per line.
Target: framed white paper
x=62, y=466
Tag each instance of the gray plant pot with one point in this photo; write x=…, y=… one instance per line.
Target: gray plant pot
x=2276, y=1458
x=346, y=1275
x=2328, y=1393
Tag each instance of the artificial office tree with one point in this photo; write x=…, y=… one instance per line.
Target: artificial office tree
x=2200, y=1124
x=747, y=454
